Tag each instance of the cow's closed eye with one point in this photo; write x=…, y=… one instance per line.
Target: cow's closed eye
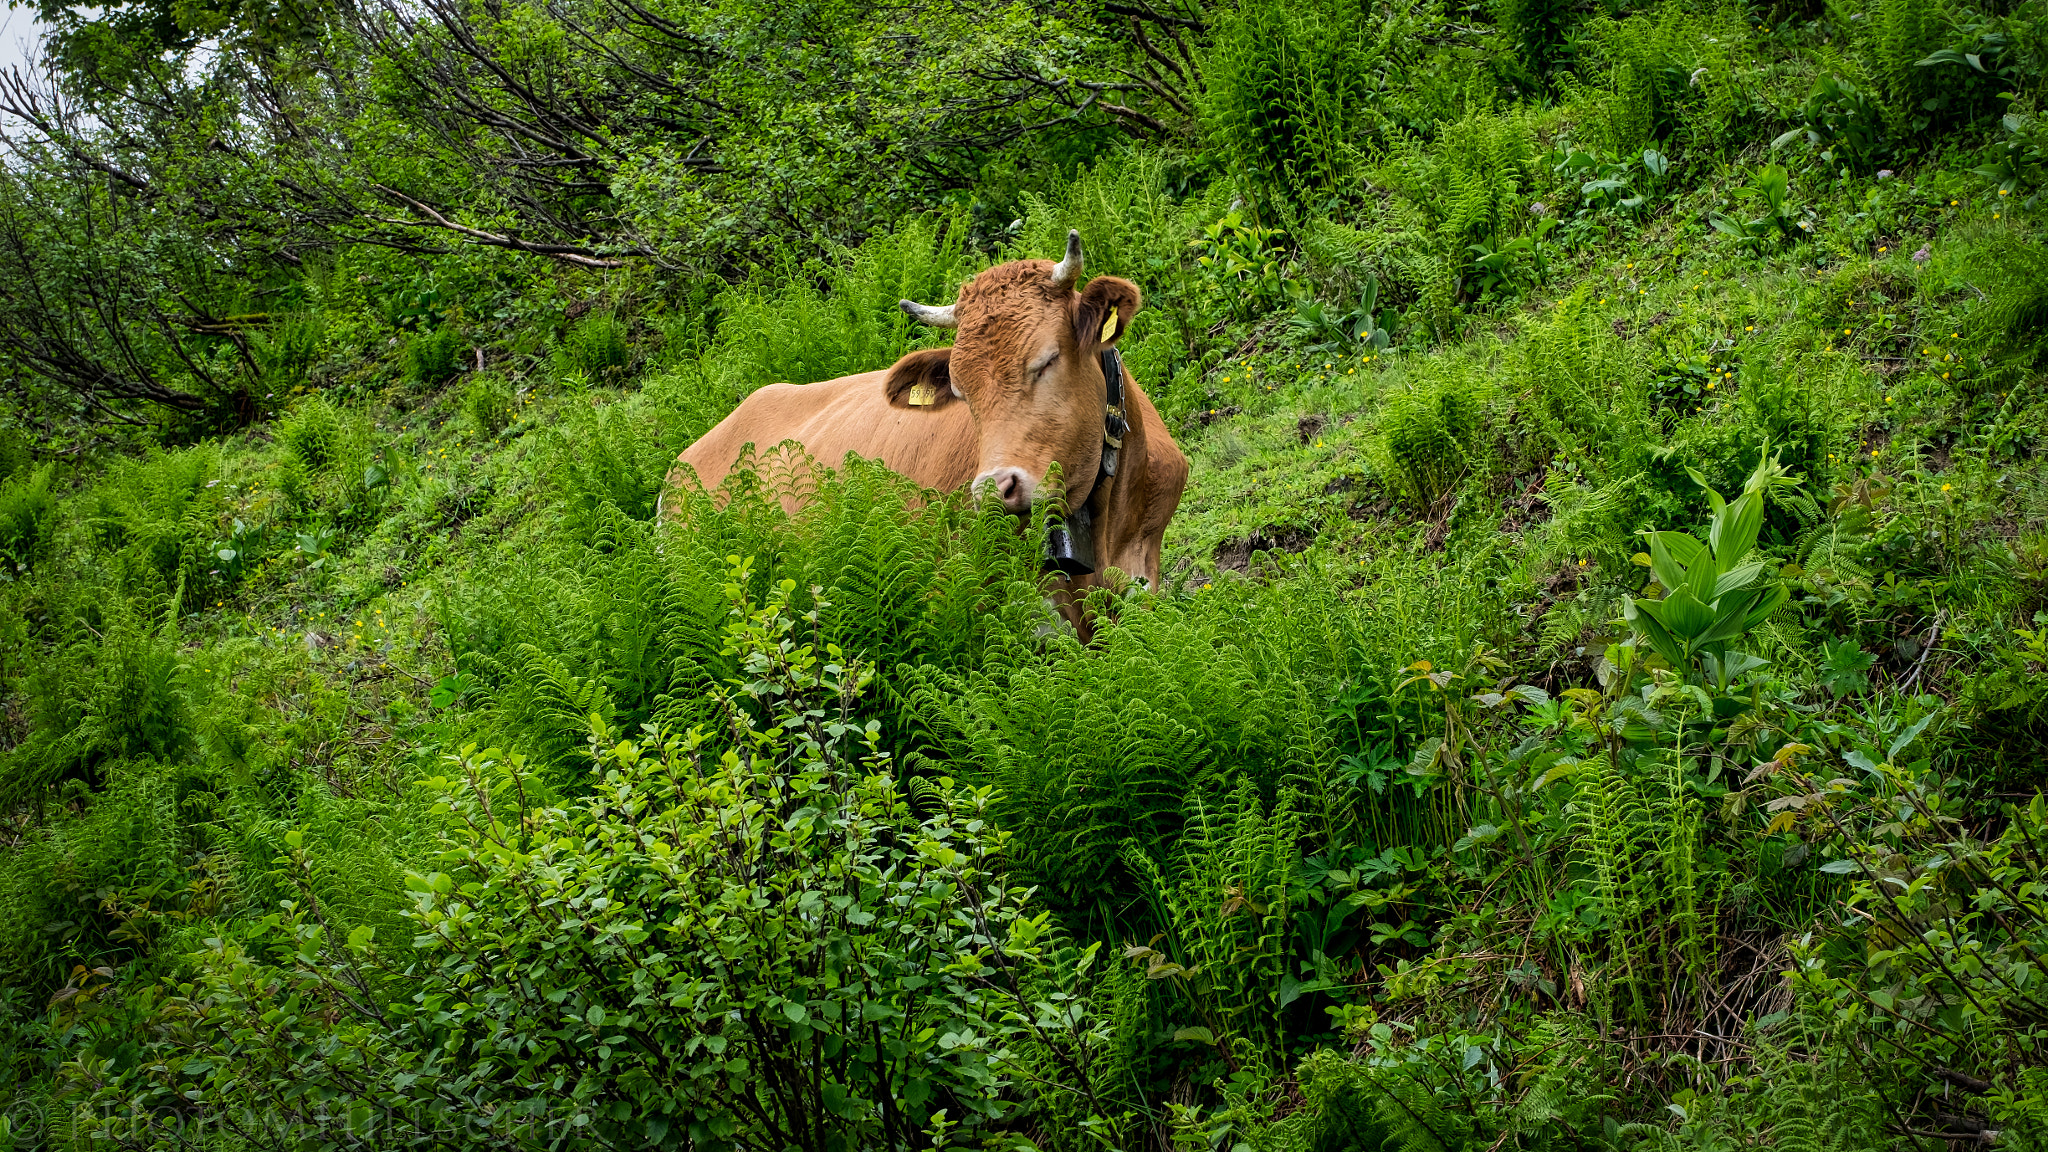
x=1041, y=364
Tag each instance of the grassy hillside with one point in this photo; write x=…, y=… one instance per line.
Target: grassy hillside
x=1597, y=698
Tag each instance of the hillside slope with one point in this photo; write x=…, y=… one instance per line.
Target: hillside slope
x=1597, y=696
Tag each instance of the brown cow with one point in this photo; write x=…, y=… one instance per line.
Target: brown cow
x=1027, y=382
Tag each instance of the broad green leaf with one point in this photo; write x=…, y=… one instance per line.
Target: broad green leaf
x=1671, y=553
x=1733, y=534
x=1772, y=600
x=1686, y=616
x=1643, y=616
x=1912, y=733
x=1736, y=579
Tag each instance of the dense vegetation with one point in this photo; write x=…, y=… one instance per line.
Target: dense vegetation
x=1598, y=699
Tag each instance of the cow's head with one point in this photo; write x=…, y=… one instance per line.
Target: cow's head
x=1026, y=363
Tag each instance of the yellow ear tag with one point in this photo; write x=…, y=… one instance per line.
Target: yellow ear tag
x=923, y=395
x=1109, y=326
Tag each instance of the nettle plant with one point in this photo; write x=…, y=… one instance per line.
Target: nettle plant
x=1714, y=593
x=763, y=940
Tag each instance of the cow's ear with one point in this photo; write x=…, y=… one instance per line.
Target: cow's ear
x=1107, y=307
x=921, y=380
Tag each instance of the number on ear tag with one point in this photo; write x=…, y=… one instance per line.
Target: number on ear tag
x=1109, y=326
x=923, y=395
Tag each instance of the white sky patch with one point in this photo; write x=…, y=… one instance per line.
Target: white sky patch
x=19, y=35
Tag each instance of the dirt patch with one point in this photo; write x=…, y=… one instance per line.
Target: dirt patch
x=1236, y=555
x=1527, y=507
x=1311, y=426
x=1203, y=417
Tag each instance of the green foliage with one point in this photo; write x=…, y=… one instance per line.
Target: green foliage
x=834, y=318
x=1841, y=117
x=1892, y=37
x=1291, y=90
x=286, y=351
x=330, y=460
x=596, y=348
x=28, y=512
x=1429, y=433
x=1223, y=904
x=488, y=402
x=1089, y=753
x=1714, y=594
x=1770, y=194
x=1674, y=72
x=753, y=939
x=429, y=354
x=1539, y=31
x=108, y=697
x=311, y=438
x=2013, y=315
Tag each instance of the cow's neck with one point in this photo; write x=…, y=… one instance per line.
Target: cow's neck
x=1078, y=547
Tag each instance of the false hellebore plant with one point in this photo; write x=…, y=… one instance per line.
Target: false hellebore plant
x=1712, y=596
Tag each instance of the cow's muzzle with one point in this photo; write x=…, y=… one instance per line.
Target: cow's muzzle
x=1013, y=486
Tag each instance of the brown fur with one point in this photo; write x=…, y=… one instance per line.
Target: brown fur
x=1011, y=318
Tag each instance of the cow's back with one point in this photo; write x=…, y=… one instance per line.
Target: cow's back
x=933, y=446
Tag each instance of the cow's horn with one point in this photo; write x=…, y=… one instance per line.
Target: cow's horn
x=1068, y=270
x=926, y=314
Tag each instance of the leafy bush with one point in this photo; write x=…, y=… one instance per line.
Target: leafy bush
x=100, y=885
x=1673, y=72
x=1770, y=193
x=1291, y=90
x=328, y=456
x=1428, y=435
x=155, y=517
x=310, y=435
x=28, y=516
x=429, y=355
x=487, y=401
x=1088, y=754
x=759, y=938
x=109, y=692
x=1539, y=31
x=1713, y=592
x=834, y=319
x=596, y=348
x=286, y=351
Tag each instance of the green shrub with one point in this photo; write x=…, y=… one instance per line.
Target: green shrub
x=16, y=455
x=429, y=355
x=286, y=351
x=28, y=518
x=1098, y=750
x=1584, y=390
x=596, y=347
x=1890, y=38
x=1291, y=87
x=155, y=517
x=758, y=938
x=327, y=456
x=107, y=692
x=487, y=401
x=2010, y=321
x=1429, y=433
x=1675, y=72
x=96, y=882
x=840, y=317
x=310, y=434
x=1538, y=31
